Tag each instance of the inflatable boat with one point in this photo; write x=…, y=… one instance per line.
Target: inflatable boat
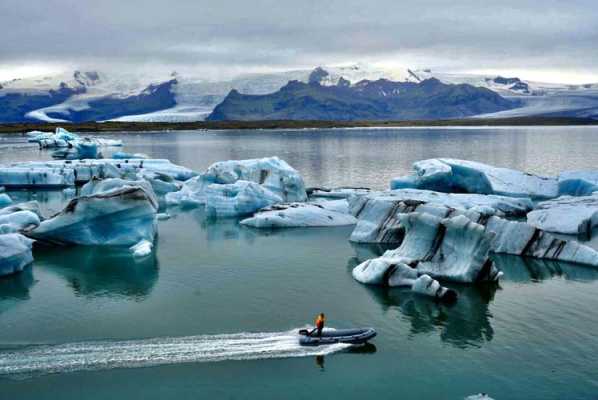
x=330, y=336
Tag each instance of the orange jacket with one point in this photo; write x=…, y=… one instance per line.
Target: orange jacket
x=320, y=322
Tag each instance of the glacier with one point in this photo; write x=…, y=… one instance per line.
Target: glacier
x=15, y=253
x=293, y=215
x=110, y=212
x=462, y=176
x=566, y=214
x=453, y=249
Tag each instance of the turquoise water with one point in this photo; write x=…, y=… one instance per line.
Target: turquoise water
x=211, y=315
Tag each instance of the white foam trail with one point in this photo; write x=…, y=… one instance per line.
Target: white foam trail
x=96, y=355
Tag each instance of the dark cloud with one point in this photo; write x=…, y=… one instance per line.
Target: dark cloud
x=222, y=35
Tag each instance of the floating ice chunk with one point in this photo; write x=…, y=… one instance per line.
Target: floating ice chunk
x=272, y=173
x=523, y=239
x=299, y=215
x=377, y=212
x=142, y=249
x=67, y=173
x=578, y=183
x=15, y=253
x=18, y=221
x=237, y=199
x=111, y=215
x=161, y=183
x=79, y=150
x=454, y=249
x=192, y=194
x=570, y=215
x=70, y=192
x=163, y=216
x=479, y=396
x=121, y=155
x=35, y=176
x=5, y=200
x=382, y=272
x=450, y=175
x=98, y=186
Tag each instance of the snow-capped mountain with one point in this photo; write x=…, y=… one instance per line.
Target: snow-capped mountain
x=84, y=95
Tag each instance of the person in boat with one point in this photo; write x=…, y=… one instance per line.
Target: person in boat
x=320, y=320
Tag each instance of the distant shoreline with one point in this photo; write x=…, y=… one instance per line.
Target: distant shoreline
x=290, y=124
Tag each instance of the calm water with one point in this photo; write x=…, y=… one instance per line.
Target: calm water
x=217, y=302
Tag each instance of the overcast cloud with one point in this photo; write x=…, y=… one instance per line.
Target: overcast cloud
x=221, y=37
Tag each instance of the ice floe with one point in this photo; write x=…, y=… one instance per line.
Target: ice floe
x=142, y=249
x=237, y=199
x=566, y=214
x=110, y=212
x=458, y=176
x=15, y=253
x=329, y=213
x=377, y=212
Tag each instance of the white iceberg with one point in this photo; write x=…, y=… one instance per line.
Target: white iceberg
x=462, y=176
x=519, y=238
x=114, y=213
x=142, y=249
x=237, y=199
x=272, y=173
x=454, y=249
x=301, y=215
x=566, y=214
x=15, y=253
x=381, y=272
x=67, y=173
x=377, y=212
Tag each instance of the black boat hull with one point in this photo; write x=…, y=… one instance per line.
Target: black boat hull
x=349, y=336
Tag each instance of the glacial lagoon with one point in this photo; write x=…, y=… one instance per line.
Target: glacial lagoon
x=209, y=315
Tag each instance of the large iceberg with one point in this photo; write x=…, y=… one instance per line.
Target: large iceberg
x=272, y=173
x=462, y=176
x=237, y=199
x=111, y=212
x=329, y=213
x=71, y=172
x=566, y=214
x=454, y=249
x=377, y=212
x=15, y=253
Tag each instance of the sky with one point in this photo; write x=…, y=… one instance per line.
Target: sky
x=551, y=41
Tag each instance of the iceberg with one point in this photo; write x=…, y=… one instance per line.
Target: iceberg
x=272, y=173
x=161, y=183
x=578, y=183
x=110, y=212
x=301, y=215
x=18, y=221
x=566, y=214
x=453, y=249
x=520, y=238
x=462, y=176
x=142, y=249
x=70, y=172
x=5, y=200
x=381, y=272
x=237, y=199
x=377, y=212
x=121, y=155
x=337, y=193
x=15, y=253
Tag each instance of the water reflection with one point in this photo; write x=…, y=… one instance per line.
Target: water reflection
x=524, y=269
x=15, y=288
x=101, y=271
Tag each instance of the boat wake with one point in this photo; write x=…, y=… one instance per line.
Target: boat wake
x=33, y=360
